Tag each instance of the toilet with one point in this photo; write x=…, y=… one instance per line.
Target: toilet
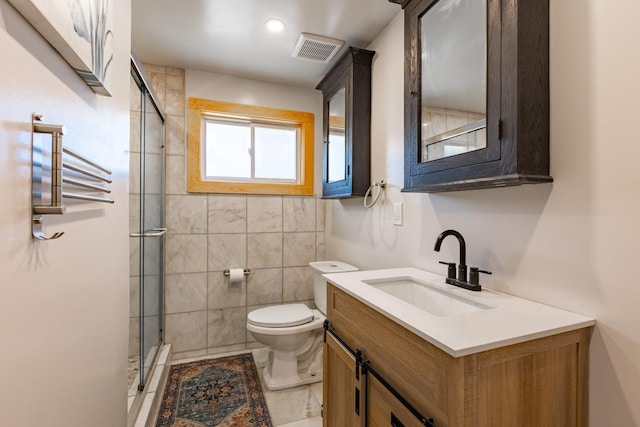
x=293, y=333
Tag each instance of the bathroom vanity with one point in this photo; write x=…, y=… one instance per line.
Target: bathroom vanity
x=449, y=358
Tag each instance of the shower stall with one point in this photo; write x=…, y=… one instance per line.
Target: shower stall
x=146, y=228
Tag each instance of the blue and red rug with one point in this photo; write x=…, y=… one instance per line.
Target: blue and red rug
x=221, y=392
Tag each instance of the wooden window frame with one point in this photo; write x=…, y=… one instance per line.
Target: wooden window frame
x=202, y=108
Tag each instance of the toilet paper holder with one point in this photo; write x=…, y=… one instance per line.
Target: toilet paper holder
x=228, y=273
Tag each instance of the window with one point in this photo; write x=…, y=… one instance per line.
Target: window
x=245, y=151
x=235, y=148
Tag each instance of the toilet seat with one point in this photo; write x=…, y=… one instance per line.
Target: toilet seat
x=281, y=316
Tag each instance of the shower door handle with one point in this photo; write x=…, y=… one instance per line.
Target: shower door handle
x=154, y=232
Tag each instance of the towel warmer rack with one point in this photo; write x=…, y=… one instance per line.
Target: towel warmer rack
x=93, y=173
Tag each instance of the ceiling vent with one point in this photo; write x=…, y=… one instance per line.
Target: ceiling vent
x=316, y=48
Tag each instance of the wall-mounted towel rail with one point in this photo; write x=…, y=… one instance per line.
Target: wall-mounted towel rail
x=87, y=198
x=86, y=172
x=55, y=206
x=86, y=185
x=58, y=166
x=80, y=157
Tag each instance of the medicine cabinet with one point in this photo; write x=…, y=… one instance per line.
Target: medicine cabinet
x=346, y=93
x=476, y=93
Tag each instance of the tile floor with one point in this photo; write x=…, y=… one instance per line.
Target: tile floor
x=295, y=407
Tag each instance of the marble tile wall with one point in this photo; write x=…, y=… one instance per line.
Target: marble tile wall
x=273, y=236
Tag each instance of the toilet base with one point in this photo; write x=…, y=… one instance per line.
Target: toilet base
x=302, y=378
x=286, y=369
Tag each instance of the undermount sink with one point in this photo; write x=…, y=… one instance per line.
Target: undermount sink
x=426, y=297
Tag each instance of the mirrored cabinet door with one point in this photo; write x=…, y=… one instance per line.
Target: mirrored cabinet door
x=476, y=93
x=336, y=141
x=453, y=108
x=346, y=93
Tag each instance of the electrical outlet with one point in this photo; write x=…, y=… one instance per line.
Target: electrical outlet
x=397, y=214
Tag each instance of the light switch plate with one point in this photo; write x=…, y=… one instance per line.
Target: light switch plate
x=397, y=213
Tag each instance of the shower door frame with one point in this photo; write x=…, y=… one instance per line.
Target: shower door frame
x=147, y=94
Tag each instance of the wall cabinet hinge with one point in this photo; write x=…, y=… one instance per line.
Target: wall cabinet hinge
x=499, y=128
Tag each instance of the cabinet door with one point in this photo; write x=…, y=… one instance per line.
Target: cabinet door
x=478, y=118
x=384, y=409
x=346, y=91
x=343, y=394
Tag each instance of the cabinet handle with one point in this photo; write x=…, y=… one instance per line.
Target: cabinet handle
x=357, y=405
x=395, y=422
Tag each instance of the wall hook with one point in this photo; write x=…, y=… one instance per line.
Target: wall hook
x=36, y=230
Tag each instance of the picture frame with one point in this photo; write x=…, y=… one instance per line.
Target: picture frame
x=80, y=30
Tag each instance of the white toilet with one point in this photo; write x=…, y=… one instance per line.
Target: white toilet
x=294, y=333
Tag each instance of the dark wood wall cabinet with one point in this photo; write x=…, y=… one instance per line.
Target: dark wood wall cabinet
x=346, y=92
x=509, y=120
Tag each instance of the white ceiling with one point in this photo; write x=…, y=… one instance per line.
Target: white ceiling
x=229, y=37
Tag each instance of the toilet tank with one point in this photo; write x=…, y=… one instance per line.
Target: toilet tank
x=320, y=283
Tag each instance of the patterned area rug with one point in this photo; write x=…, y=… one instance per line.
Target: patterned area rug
x=215, y=392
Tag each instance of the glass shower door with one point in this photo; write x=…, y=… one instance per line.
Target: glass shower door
x=151, y=250
x=150, y=232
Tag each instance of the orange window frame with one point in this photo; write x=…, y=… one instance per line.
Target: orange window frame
x=199, y=109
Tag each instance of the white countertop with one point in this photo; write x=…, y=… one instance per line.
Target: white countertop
x=509, y=320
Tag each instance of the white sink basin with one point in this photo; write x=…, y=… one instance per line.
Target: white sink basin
x=458, y=321
x=426, y=297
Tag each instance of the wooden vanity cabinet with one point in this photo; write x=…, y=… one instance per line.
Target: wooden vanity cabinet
x=542, y=382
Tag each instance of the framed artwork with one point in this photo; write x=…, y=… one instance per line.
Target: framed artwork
x=80, y=30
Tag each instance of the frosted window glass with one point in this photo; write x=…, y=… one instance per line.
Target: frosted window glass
x=275, y=153
x=228, y=148
x=250, y=152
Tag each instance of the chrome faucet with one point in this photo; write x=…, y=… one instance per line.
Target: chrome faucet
x=461, y=281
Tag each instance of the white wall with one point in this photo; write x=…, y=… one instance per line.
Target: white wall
x=571, y=244
x=221, y=87
x=63, y=303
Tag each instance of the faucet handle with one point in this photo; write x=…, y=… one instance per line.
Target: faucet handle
x=474, y=277
x=451, y=270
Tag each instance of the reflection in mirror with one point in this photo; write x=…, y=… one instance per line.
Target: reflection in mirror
x=454, y=78
x=336, y=149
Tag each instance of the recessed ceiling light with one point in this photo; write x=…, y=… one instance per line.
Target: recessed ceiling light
x=274, y=25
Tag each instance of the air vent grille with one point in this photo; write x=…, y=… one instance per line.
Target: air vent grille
x=316, y=48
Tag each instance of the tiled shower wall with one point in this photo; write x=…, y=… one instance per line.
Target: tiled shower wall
x=273, y=236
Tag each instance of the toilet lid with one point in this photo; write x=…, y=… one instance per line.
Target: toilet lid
x=281, y=316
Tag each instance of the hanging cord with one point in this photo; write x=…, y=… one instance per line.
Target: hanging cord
x=374, y=199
